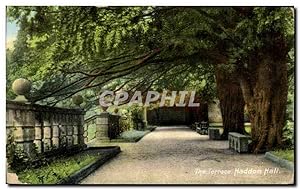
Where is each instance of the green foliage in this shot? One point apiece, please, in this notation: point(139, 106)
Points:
point(256, 31)
point(133, 135)
point(125, 123)
point(285, 154)
point(57, 170)
point(290, 105)
point(53, 41)
point(18, 159)
point(288, 134)
point(248, 129)
point(137, 118)
point(132, 118)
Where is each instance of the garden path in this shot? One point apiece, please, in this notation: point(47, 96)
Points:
point(178, 155)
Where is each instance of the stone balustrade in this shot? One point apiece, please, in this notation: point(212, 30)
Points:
point(44, 128)
point(105, 126)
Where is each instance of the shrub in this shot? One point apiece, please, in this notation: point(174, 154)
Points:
point(288, 134)
point(132, 118)
point(138, 118)
point(125, 121)
point(125, 124)
point(18, 160)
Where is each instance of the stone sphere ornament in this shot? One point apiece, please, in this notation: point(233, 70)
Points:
point(21, 87)
point(77, 100)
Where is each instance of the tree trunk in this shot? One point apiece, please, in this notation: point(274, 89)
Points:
point(231, 102)
point(265, 87)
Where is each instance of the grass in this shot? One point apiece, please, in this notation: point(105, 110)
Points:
point(151, 127)
point(220, 125)
point(284, 154)
point(133, 135)
point(56, 170)
point(248, 129)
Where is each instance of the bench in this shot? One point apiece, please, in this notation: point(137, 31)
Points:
point(214, 133)
point(194, 126)
point(238, 142)
point(202, 128)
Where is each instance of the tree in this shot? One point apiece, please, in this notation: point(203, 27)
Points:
point(262, 65)
point(232, 103)
point(92, 47)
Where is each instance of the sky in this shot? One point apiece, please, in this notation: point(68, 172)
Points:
point(11, 33)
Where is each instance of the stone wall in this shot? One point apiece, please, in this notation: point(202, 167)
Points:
point(177, 115)
point(44, 128)
point(105, 126)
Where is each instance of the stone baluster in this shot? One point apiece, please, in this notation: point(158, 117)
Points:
point(9, 124)
point(63, 130)
point(24, 133)
point(75, 135)
point(43, 128)
point(69, 131)
point(74, 121)
point(55, 131)
point(38, 141)
point(47, 125)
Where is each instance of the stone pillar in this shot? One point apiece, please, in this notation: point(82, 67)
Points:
point(102, 125)
point(24, 133)
point(145, 116)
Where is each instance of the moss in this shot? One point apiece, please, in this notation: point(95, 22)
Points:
point(56, 170)
point(284, 154)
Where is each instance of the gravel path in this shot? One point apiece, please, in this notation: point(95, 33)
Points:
point(178, 155)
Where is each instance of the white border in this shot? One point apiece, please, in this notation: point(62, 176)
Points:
point(157, 2)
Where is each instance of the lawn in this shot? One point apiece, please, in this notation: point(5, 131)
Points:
point(248, 129)
point(58, 169)
point(284, 154)
point(220, 125)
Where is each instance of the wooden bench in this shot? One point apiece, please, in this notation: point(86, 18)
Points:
point(238, 142)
